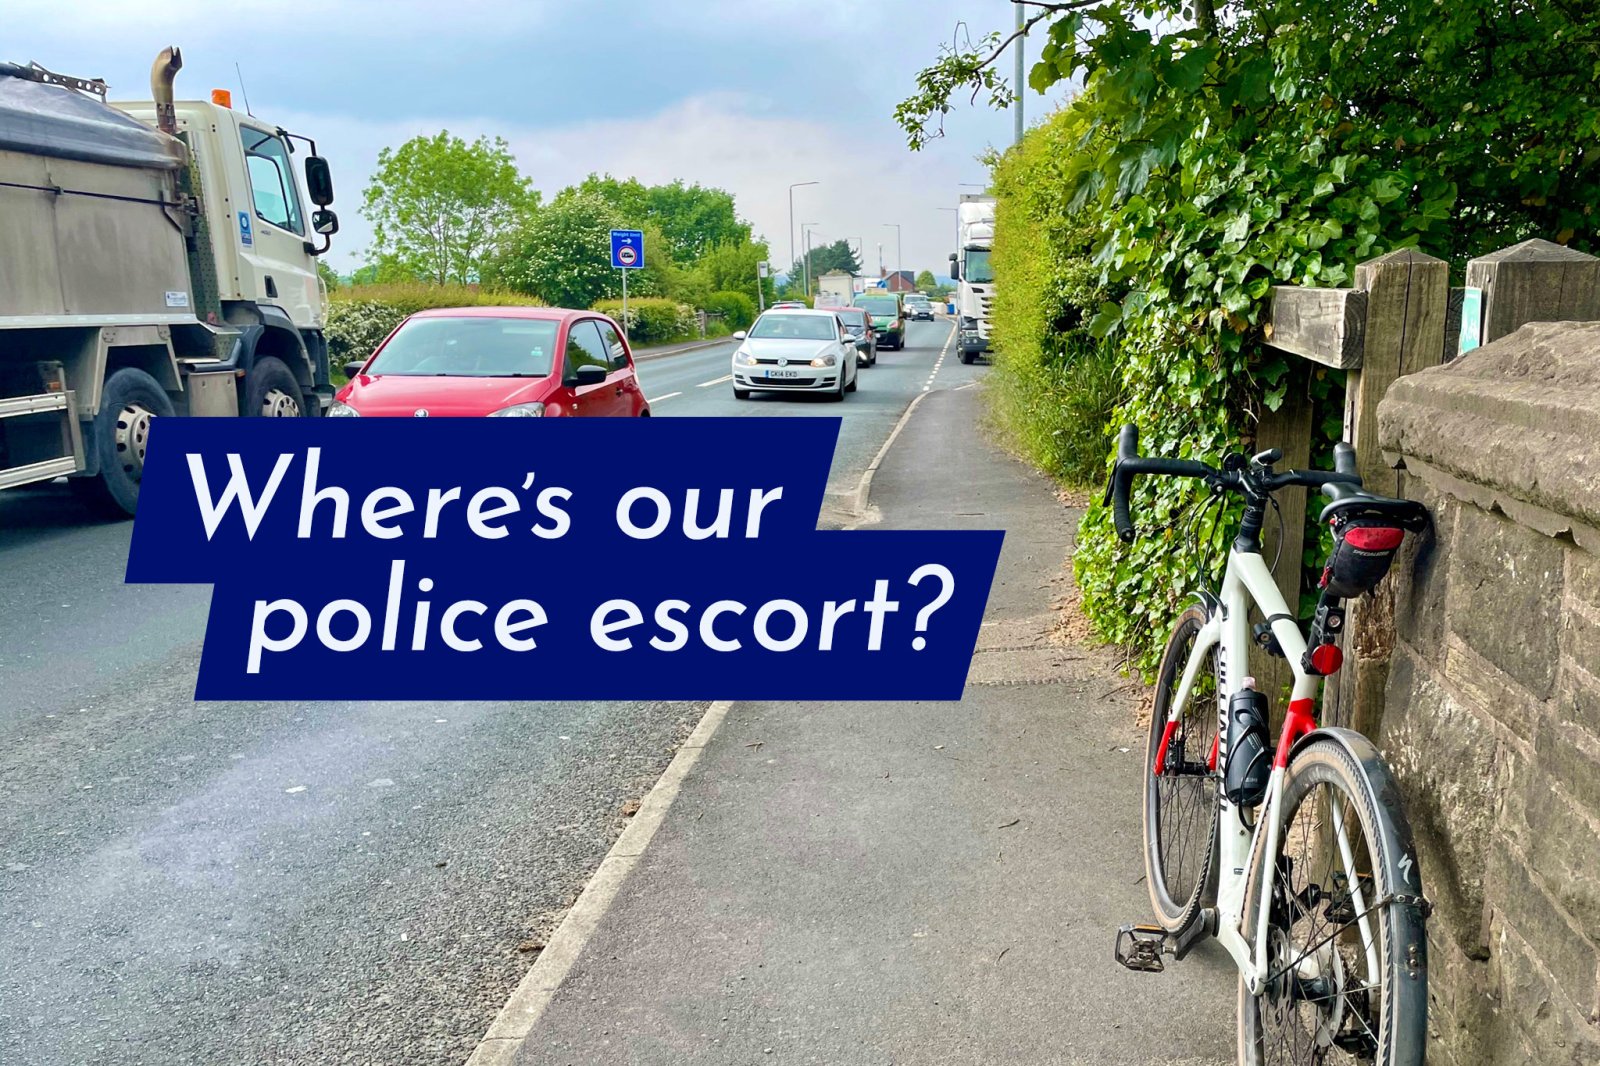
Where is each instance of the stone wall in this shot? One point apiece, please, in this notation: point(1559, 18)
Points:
point(1492, 710)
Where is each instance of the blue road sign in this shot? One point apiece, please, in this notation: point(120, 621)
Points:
point(627, 249)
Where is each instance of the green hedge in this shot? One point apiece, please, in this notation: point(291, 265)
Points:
point(653, 319)
point(359, 317)
point(737, 309)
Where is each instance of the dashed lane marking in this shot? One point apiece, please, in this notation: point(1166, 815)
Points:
point(718, 381)
point(668, 396)
point(939, 362)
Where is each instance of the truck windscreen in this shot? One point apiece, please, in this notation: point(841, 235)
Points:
point(978, 271)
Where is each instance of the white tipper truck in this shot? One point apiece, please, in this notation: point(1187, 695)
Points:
point(970, 267)
point(156, 258)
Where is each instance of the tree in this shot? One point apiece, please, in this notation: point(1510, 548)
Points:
point(563, 255)
point(693, 219)
point(330, 277)
point(733, 267)
point(836, 256)
point(439, 206)
point(926, 282)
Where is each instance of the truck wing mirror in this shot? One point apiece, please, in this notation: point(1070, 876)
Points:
point(319, 181)
point(325, 222)
point(955, 267)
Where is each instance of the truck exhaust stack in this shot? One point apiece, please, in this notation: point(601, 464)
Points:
point(162, 73)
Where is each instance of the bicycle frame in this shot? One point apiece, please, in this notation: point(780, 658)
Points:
point(1227, 630)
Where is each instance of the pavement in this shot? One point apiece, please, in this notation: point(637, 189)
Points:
point(904, 883)
point(208, 883)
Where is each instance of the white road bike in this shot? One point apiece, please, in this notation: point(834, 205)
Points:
point(1296, 857)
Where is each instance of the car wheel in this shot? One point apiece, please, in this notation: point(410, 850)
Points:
point(853, 383)
point(741, 394)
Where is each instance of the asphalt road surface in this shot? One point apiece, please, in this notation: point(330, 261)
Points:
point(188, 882)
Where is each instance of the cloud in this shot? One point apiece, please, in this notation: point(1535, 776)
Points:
point(730, 141)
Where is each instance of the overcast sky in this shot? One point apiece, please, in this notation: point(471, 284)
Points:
point(749, 96)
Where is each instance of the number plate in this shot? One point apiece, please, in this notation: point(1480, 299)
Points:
point(783, 374)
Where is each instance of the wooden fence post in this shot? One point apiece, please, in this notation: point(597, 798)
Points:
point(1407, 296)
point(1320, 326)
point(1535, 281)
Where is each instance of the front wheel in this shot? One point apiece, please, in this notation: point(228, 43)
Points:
point(1347, 954)
point(1180, 802)
point(741, 394)
point(271, 391)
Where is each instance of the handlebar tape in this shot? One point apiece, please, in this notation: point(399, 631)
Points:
point(1122, 481)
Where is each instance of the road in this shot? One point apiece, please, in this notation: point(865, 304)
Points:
point(188, 882)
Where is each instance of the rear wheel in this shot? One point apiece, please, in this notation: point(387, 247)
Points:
point(1180, 803)
point(129, 402)
point(1347, 982)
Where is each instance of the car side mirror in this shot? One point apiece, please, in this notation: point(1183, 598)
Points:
point(353, 369)
point(319, 181)
point(739, 334)
point(590, 374)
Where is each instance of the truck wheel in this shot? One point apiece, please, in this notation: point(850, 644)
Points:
point(118, 436)
point(272, 392)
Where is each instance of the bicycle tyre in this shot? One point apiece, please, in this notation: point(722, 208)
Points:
point(1276, 1029)
point(1180, 863)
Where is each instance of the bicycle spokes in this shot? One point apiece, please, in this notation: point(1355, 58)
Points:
point(1318, 1004)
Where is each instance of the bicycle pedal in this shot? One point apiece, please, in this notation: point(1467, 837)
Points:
point(1139, 947)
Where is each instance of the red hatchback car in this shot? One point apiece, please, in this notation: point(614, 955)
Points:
point(526, 362)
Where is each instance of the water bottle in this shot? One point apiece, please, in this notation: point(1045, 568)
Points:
point(1249, 754)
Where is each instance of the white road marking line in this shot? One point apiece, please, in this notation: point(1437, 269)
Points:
point(528, 1001)
point(718, 381)
point(668, 396)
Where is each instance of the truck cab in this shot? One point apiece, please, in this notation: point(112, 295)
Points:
point(262, 246)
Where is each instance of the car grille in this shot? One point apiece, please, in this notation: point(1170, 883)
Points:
point(783, 383)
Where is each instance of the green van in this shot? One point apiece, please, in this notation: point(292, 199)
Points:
point(888, 315)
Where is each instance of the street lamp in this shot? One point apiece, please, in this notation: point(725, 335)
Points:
point(792, 188)
point(899, 260)
point(805, 233)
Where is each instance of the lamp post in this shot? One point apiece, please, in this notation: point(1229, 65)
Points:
point(792, 188)
point(899, 260)
point(1016, 135)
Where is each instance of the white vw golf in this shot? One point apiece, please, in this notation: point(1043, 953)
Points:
point(795, 350)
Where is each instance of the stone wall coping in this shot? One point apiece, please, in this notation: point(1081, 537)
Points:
point(1514, 425)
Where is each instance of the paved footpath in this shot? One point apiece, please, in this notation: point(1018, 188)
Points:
point(905, 883)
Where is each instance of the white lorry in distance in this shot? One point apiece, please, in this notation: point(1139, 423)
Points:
point(973, 274)
point(836, 288)
point(156, 258)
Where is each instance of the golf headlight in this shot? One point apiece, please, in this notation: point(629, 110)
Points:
point(744, 358)
point(341, 410)
point(520, 410)
point(823, 360)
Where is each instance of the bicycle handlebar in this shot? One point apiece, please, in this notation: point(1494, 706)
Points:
point(1340, 482)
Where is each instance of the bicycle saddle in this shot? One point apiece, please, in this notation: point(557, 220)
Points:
point(1351, 502)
